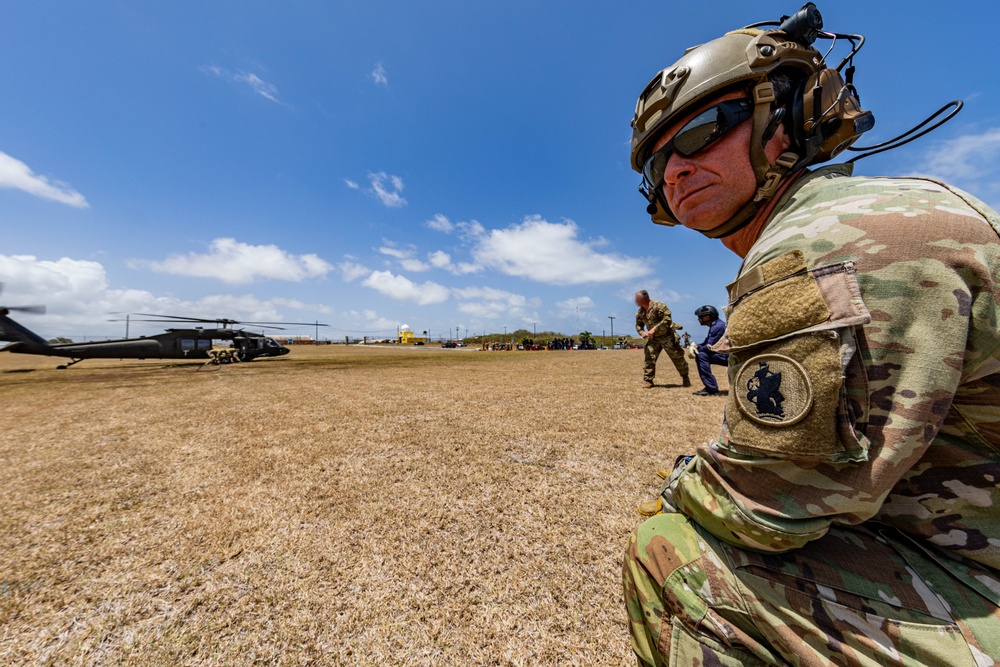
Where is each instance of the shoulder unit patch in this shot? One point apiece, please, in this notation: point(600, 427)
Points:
point(773, 390)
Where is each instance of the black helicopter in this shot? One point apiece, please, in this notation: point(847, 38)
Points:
point(193, 343)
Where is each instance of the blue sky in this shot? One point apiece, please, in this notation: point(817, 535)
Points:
point(437, 164)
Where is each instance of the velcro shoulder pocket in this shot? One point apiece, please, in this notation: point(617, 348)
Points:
point(792, 345)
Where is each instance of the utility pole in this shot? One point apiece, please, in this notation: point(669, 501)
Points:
point(505, 331)
point(316, 339)
point(126, 324)
point(612, 318)
point(534, 328)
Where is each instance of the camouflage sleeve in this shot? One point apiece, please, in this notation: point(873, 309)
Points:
point(640, 324)
point(845, 358)
point(660, 315)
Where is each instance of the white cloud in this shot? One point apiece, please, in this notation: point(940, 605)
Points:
point(666, 295)
point(236, 263)
point(351, 184)
point(670, 296)
point(552, 253)
point(263, 88)
point(471, 230)
point(393, 251)
point(969, 161)
point(402, 288)
point(78, 298)
point(258, 85)
point(440, 223)
point(490, 304)
point(379, 76)
point(369, 321)
point(351, 271)
point(439, 259)
point(387, 189)
point(414, 265)
point(572, 305)
point(19, 176)
point(296, 304)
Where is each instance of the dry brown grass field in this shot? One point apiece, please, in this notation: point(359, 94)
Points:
point(335, 506)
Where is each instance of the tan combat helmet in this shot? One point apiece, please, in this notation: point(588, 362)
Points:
point(824, 115)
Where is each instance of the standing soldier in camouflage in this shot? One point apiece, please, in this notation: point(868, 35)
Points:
point(849, 511)
point(657, 328)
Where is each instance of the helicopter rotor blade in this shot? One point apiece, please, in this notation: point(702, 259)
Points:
point(223, 321)
point(181, 318)
point(304, 324)
point(38, 310)
point(134, 320)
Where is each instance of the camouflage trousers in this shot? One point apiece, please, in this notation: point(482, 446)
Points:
point(858, 596)
point(651, 352)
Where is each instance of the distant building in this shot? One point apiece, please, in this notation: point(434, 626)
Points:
point(408, 337)
point(296, 340)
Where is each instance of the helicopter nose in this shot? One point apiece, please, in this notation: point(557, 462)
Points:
point(284, 351)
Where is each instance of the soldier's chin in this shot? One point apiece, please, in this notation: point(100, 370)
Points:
point(704, 214)
point(701, 218)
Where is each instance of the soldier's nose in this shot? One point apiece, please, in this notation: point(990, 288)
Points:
point(678, 167)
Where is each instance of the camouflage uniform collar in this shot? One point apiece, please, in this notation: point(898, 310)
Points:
point(830, 171)
point(781, 204)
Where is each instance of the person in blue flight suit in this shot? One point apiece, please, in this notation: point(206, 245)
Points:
point(708, 316)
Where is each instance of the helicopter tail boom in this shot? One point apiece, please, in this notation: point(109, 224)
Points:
point(23, 339)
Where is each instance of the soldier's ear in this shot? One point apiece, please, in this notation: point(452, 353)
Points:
point(779, 142)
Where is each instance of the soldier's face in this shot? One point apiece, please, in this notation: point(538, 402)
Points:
point(708, 188)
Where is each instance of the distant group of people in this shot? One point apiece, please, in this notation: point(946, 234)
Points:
point(560, 344)
point(554, 344)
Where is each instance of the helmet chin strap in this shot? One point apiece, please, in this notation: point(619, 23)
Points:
point(769, 176)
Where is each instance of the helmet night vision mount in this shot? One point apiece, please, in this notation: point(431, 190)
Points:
point(822, 113)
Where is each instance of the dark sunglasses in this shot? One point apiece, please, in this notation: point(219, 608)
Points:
point(696, 135)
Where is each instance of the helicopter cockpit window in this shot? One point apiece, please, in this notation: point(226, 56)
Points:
point(270, 343)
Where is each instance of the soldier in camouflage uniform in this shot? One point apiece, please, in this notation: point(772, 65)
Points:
point(654, 323)
point(849, 511)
